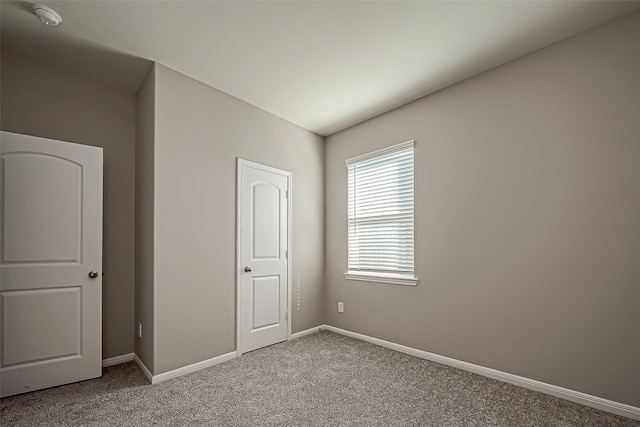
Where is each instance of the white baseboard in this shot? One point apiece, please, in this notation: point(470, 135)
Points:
point(143, 368)
point(155, 379)
point(561, 392)
point(123, 358)
point(305, 332)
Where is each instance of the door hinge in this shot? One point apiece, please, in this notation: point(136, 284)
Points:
point(286, 254)
point(286, 315)
point(286, 194)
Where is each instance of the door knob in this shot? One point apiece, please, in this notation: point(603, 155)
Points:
point(247, 269)
point(93, 274)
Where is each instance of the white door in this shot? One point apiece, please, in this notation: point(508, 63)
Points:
point(50, 263)
point(263, 265)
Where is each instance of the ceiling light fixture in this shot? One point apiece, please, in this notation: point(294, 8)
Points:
point(47, 15)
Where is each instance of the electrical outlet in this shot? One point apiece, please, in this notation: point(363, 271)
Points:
point(340, 307)
point(139, 330)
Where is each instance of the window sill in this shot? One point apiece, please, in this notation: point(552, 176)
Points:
point(381, 278)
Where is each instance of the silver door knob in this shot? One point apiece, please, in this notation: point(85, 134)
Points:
point(93, 274)
point(247, 269)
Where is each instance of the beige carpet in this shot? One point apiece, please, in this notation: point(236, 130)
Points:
point(321, 380)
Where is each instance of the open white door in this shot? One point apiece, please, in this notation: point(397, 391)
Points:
point(50, 263)
point(263, 261)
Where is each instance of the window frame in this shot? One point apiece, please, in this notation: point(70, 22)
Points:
point(409, 278)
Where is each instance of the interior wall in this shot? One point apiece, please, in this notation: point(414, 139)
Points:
point(145, 219)
point(43, 101)
point(527, 218)
point(200, 132)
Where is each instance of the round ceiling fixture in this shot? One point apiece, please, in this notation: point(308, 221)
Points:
point(47, 15)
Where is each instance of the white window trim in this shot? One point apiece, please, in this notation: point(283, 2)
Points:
point(394, 279)
point(381, 278)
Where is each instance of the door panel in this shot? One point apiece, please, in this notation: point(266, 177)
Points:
point(53, 231)
point(51, 238)
point(45, 340)
point(266, 302)
point(263, 220)
point(265, 213)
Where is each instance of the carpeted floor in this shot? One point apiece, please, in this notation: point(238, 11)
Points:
point(323, 379)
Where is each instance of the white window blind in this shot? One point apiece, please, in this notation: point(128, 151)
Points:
point(380, 211)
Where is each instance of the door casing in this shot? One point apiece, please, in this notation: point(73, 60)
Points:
point(239, 264)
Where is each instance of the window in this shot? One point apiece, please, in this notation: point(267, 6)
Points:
point(380, 216)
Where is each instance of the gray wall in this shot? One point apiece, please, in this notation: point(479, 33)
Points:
point(199, 133)
point(43, 101)
point(145, 218)
point(527, 218)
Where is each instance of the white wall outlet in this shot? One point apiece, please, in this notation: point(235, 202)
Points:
point(340, 307)
point(139, 330)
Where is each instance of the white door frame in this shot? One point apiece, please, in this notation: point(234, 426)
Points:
point(239, 265)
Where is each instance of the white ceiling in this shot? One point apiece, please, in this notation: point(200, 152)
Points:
point(323, 65)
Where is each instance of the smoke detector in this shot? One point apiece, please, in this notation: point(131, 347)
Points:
point(47, 16)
